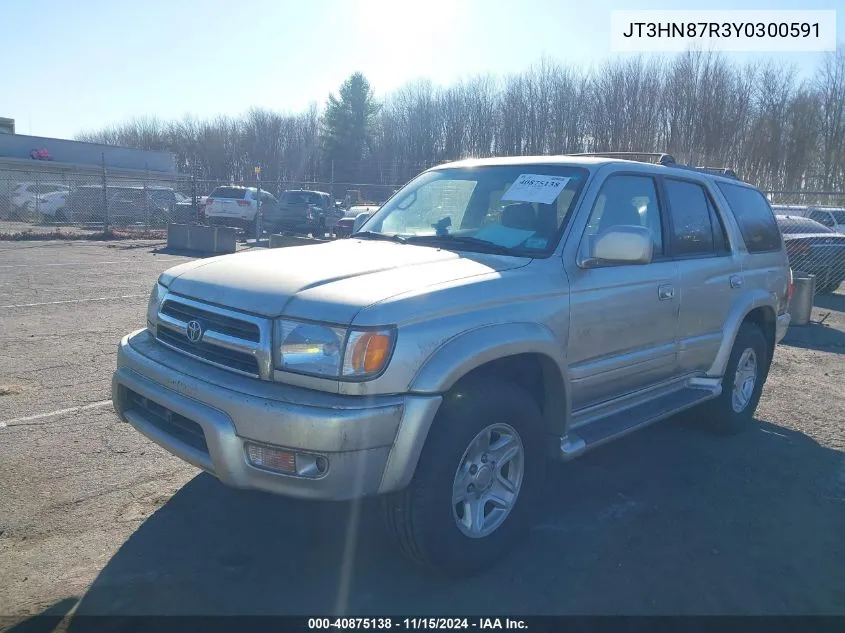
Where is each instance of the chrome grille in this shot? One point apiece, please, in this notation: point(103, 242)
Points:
point(212, 353)
point(231, 340)
point(212, 320)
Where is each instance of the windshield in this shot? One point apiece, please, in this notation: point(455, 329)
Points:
point(520, 208)
point(801, 225)
point(838, 216)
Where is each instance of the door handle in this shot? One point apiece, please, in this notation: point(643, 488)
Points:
point(665, 292)
point(736, 281)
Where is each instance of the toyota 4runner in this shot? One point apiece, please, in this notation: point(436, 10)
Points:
point(492, 314)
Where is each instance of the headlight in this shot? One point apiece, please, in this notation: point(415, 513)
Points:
point(330, 351)
point(154, 304)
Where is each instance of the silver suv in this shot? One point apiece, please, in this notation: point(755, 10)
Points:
point(492, 314)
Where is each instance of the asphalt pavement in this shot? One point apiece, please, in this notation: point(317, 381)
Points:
point(94, 518)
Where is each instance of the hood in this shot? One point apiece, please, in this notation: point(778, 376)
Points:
point(328, 282)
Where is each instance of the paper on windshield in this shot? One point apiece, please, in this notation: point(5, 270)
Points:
point(535, 188)
point(503, 235)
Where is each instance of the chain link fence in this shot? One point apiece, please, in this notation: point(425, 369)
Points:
point(49, 200)
point(813, 227)
point(46, 199)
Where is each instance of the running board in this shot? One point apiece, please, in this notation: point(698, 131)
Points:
point(619, 424)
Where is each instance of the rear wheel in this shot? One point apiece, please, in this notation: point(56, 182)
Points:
point(742, 383)
point(476, 484)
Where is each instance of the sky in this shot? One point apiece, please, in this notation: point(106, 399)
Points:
point(69, 67)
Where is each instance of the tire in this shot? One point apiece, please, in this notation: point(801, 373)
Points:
point(421, 517)
point(725, 415)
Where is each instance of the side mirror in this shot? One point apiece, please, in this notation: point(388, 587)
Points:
point(619, 245)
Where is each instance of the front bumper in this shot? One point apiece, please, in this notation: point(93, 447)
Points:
point(371, 444)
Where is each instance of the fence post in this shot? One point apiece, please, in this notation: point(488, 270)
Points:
point(194, 196)
point(258, 206)
point(37, 196)
point(146, 201)
point(105, 198)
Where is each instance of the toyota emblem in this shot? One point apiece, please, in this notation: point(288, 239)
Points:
point(194, 331)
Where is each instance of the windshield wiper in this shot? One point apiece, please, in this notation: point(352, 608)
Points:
point(373, 235)
point(461, 240)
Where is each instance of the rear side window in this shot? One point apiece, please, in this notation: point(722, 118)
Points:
point(233, 193)
point(694, 225)
point(754, 216)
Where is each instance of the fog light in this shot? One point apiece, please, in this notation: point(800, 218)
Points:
point(271, 458)
point(286, 461)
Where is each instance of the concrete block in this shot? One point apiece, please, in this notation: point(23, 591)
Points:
point(177, 236)
point(226, 241)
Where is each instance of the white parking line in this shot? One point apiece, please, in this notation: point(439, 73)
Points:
point(59, 264)
point(40, 416)
point(53, 303)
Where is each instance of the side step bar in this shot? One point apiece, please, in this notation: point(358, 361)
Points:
point(618, 424)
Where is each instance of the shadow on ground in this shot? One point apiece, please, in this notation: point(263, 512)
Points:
point(817, 335)
point(44, 622)
point(832, 301)
point(670, 520)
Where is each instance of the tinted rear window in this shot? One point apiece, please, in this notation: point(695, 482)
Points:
point(234, 193)
point(301, 197)
point(754, 216)
point(801, 225)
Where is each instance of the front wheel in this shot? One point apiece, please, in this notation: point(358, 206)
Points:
point(476, 484)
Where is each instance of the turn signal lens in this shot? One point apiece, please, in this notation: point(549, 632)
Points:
point(367, 352)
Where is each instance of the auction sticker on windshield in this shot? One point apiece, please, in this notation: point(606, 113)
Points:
point(535, 188)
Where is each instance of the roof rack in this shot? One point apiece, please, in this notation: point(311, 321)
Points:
point(657, 157)
point(719, 171)
point(660, 158)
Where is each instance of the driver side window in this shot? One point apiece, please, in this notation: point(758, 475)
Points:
point(626, 200)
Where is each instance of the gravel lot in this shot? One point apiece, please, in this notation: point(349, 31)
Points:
point(672, 520)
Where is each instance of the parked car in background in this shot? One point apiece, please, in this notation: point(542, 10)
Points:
point(345, 226)
point(126, 204)
point(52, 206)
point(303, 211)
point(492, 314)
point(184, 212)
point(831, 217)
point(814, 249)
point(231, 205)
point(150, 205)
point(24, 197)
